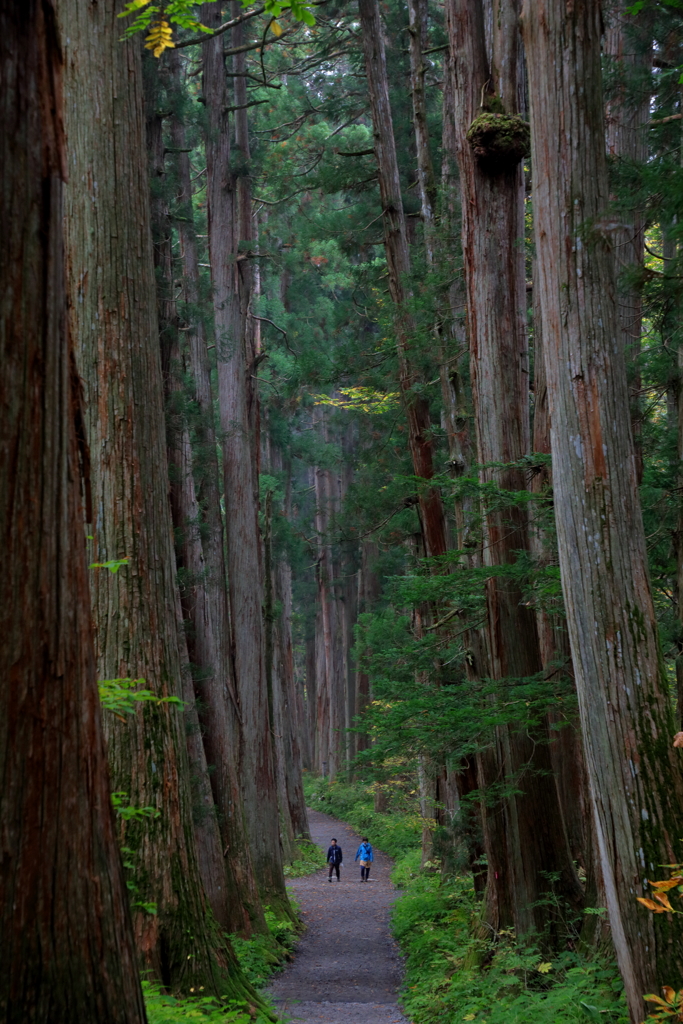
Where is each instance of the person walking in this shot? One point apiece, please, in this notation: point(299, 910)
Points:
point(366, 857)
point(334, 859)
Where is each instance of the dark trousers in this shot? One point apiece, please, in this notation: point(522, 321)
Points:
point(365, 873)
point(333, 867)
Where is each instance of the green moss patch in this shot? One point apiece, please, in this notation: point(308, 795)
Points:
point(499, 141)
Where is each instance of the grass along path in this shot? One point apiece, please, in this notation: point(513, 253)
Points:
point(346, 967)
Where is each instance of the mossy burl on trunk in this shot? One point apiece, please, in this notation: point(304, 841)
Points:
point(499, 141)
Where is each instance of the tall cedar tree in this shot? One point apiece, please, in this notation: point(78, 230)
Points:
point(224, 858)
point(66, 941)
point(524, 835)
point(113, 309)
point(626, 715)
point(231, 247)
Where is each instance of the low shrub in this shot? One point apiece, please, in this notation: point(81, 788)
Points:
point(261, 956)
point(309, 859)
point(432, 923)
point(165, 1009)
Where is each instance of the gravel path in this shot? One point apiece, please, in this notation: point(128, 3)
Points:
point(347, 968)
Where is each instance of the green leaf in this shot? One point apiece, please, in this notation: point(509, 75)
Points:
point(113, 564)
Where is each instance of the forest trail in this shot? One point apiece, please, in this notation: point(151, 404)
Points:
point(346, 968)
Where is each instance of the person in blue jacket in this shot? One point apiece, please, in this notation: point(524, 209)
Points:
point(366, 857)
point(334, 859)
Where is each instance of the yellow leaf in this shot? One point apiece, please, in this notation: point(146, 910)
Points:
point(276, 28)
point(649, 904)
point(664, 900)
point(160, 37)
point(469, 1016)
point(544, 968)
point(667, 884)
point(669, 994)
point(655, 999)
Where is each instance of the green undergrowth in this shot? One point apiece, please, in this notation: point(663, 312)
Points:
point(260, 957)
point(264, 955)
point(165, 1009)
point(309, 859)
point(433, 923)
point(519, 984)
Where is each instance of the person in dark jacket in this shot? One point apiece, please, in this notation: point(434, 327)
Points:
point(366, 857)
point(334, 859)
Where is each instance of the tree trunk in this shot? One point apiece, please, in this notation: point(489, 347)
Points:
point(113, 311)
point(311, 698)
point(184, 509)
point(230, 234)
point(66, 941)
point(325, 624)
point(524, 835)
point(626, 715)
point(199, 546)
point(398, 262)
point(417, 21)
point(566, 749)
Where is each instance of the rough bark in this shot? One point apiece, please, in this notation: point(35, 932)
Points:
point(184, 509)
point(113, 311)
point(398, 263)
point(66, 941)
point(626, 715)
point(231, 888)
point(231, 236)
point(524, 833)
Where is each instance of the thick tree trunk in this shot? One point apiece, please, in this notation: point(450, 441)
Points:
point(398, 261)
point(184, 513)
point(66, 941)
point(520, 853)
point(626, 715)
point(198, 529)
point(231, 232)
point(114, 316)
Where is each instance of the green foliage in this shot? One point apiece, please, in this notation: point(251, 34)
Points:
point(309, 858)
point(113, 565)
point(182, 13)
point(165, 1009)
point(119, 697)
point(129, 813)
point(261, 956)
point(433, 922)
